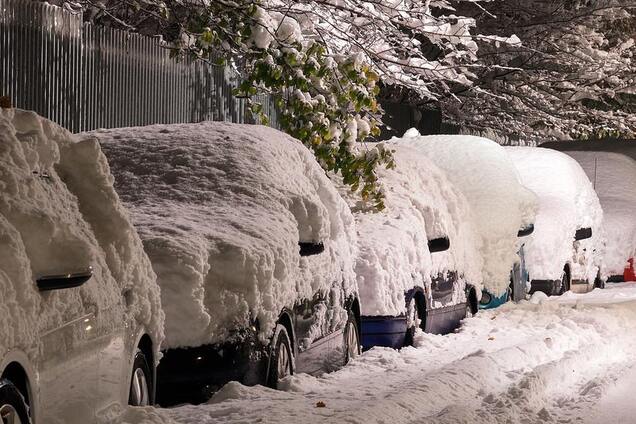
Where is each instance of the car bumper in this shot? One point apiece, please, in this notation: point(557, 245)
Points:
point(193, 374)
point(387, 331)
point(492, 301)
point(548, 287)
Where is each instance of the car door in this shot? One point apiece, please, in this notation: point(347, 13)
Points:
point(442, 288)
point(310, 325)
point(68, 359)
point(113, 371)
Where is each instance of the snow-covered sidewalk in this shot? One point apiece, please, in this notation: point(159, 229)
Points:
point(557, 360)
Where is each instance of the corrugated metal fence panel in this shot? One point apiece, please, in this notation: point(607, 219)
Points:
point(84, 76)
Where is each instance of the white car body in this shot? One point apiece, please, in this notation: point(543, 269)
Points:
point(567, 203)
point(69, 351)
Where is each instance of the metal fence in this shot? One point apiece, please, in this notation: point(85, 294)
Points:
point(85, 76)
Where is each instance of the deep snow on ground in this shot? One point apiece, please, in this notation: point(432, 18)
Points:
point(568, 359)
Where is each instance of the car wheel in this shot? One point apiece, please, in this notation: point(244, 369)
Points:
point(140, 382)
point(599, 282)
point(352, 339)
point(565, 283)
point(13, 408)
point(281, 362)
point(412, 321)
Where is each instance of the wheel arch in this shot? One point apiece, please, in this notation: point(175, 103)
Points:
point(285, 319)
point(472, 299)
point(420, 297)
point(16, 374)
point(354, 307)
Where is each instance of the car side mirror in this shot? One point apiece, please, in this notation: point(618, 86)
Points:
point(64, 281)
point(526, 231)
point(439, 244)
point(310, 248)
point(583, 233)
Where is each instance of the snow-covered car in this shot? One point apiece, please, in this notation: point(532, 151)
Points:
point(502, 209)
point(81, 313)
point(418, 263)
point(614, 178)
point(564, 252)
point(253, 248)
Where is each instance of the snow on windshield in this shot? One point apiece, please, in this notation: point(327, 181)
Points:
point(221, 209)
point(567, 202)
point(500, 205)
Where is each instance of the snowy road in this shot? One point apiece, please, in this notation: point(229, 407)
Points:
point(564, 360)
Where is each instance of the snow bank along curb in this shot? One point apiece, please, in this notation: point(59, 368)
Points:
point(567, 202)
point(421, 204)
point(500, 205)
point(59, 213)
point(544, 362)
point(221, 209)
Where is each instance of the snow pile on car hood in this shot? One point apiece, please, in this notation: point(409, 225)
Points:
point(421, 204)
point(221, 209)
point(500, 205)
point(567, 202)
point(59, 214)
point(614, 178)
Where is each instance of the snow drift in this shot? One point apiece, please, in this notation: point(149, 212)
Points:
point(614, 178)
point(59, 214)
point(221, 209)
point(421, 204)
point(567, 202)
point(500, 205)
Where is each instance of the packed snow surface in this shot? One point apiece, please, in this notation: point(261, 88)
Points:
point(500, 204)
point(221, 209)
point(568, 359)
point(614, 179)
point(421, 204)
point(567, 202)
point(59, 214)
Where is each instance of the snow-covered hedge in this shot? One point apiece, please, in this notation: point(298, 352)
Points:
point(59, 213)
point(421, 204)
point(567, 202)
point(500, 205)
point(614, 178)
point(221, 209)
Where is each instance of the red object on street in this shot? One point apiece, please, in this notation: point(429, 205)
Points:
point(630, 273)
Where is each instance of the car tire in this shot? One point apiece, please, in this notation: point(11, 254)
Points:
point(140, 393)
point(414, 317)
point(281, 363)
point(599, 282)
point(351, 339)
point(565, 283)
point(13, 408)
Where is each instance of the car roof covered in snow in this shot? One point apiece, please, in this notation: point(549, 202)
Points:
point(567, 202)
point(500, 204)
point(421, 204)
point(613, 145)
point(222, 208)
point(59, 214)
